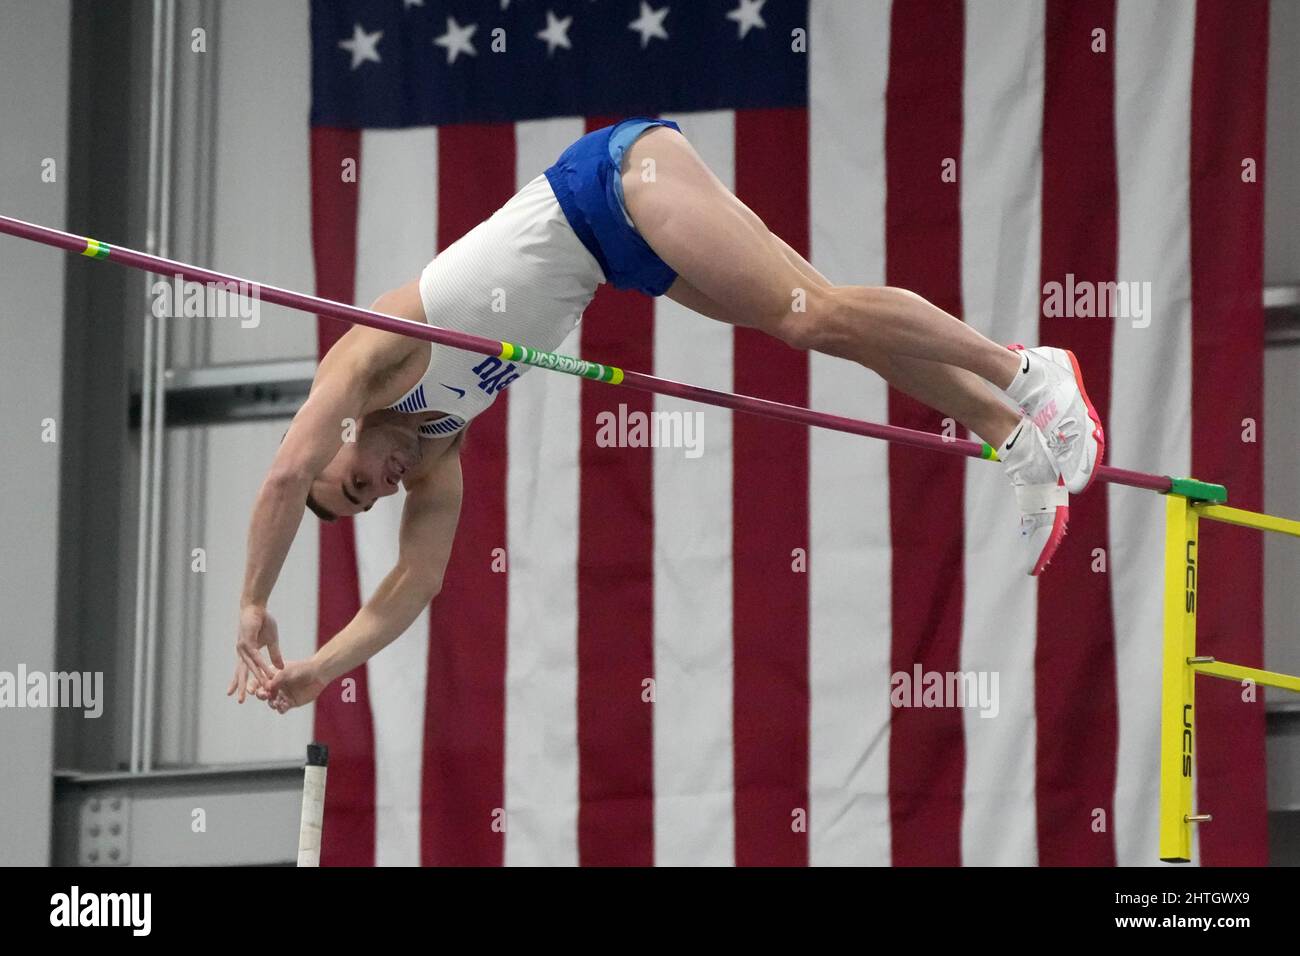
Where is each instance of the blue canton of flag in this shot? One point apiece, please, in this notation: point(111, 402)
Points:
point(400, 63)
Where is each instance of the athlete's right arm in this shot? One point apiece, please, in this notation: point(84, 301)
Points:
point(313, 439)
point(343, 390)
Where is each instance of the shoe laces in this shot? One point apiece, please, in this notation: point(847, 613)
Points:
point(1062, 439)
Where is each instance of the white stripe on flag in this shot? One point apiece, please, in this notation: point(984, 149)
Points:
point(1152, 370)
point(1001, 188)
point(397, 210)
point(396, 230)
point(541, 772)
point(849, 552)
point(693, 767)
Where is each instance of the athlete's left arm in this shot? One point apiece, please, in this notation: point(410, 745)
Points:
point(428, 527)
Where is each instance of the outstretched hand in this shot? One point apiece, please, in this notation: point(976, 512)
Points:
point(257, 629)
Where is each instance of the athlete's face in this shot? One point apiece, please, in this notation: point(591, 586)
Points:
point(365, 470)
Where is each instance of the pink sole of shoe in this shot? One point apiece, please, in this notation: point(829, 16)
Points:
point(1053, 541)
point(1097, 432)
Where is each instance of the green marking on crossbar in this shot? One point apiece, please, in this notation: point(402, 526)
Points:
point(562, 363)
point(96, 249)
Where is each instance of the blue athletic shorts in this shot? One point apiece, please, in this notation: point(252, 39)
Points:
point(588, 185)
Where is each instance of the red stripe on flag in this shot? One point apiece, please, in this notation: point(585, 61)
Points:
point(334, 222)
point(615, 598)
point(344, 725)
point(770, 520)
point(463, 776)
point(1229, 88)
point(923, 128)
point(1075, 682)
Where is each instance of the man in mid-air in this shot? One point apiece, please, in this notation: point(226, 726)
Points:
point(597, 216)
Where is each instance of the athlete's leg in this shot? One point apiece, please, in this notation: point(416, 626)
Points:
point(949, 389)
point(946, 388)
point(723, 253)
point(721, 248)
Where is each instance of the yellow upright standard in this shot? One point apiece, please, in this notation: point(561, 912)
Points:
point(1183, 512)
point(1177, 708)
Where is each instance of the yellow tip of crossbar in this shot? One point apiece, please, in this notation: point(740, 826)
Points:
point(1249, 519)
point(1254, 675)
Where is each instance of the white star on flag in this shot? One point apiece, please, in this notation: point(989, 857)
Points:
point(362, 45)
point(556, 33)
point(457, 39)
point(407, 4)
point(748, 16)
point(650, 24)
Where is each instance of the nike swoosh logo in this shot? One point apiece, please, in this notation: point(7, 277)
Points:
point(460, 392)
point(1012, 441)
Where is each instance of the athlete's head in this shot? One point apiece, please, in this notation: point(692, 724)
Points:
point(366, 469)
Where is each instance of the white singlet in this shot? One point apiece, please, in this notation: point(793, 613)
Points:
point(521, 276)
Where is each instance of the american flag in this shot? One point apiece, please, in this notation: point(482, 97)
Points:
point(641, 657)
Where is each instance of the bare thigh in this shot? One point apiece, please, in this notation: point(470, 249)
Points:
point(722, 252)
point(683, 293)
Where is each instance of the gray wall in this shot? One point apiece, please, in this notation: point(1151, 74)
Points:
point(33, 118)
point(1282, 364)
point(1282, 162)
point(258, 174)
